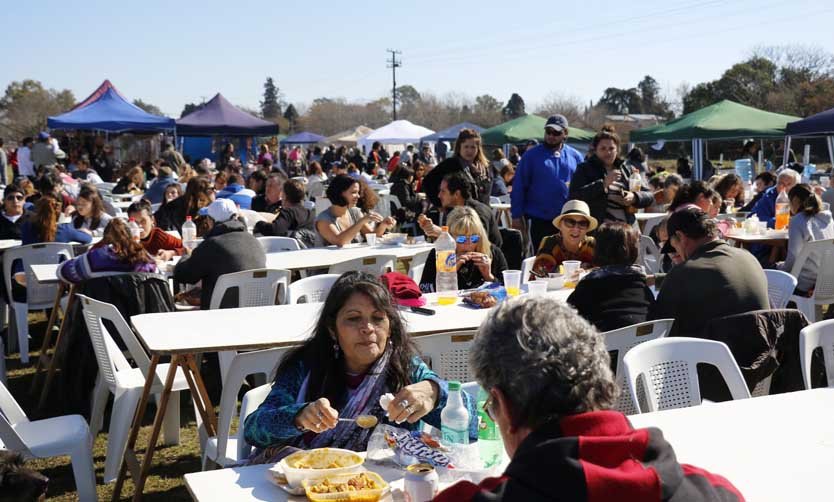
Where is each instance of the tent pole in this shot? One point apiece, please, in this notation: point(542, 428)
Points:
point(787, 150)
point(829, 140)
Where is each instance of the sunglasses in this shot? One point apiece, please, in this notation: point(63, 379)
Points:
point(14, 197)
point(474, 239)
point(551, 132)
point(571, 223)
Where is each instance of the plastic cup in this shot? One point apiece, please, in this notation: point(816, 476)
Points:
point(512, 281)
point(571, 272)
point(371, 238)
point(537, 287)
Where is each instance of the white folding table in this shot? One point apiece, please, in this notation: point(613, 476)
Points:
point(314, 258)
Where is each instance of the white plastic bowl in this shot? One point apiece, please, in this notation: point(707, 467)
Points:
point(555, 281)
point(295, 476)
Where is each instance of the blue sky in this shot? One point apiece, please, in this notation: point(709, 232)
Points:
point(174, 52)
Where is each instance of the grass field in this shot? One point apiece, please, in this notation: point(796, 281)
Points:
point(170, 462)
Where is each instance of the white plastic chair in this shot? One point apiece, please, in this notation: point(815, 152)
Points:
point(322, 203)
point(218, 448)
point(623, 340)
point(822, 251)
point(278, 244)
point(417, 265)
point(38, 296)
point(820, 334)
point(649, 255)
point(372, 264)
point(780, 287)
point(2, 362)
point(255, 288)
point(51, 437)
point(314, 190)
point(651, 223)
point(448, 354)
point(668, 370)
point(526, 269)
point(125, 382)
point(308, 204)
point(311, 289)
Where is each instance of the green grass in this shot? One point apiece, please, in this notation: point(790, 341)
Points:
point(170, 463)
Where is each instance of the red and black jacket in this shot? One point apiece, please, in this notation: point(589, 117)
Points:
point(594, 457)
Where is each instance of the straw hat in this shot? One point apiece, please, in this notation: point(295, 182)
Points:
point(576, 207)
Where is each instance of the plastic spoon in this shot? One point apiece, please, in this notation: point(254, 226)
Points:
point(362, 421)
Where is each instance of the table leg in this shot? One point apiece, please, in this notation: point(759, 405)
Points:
point(200, 395)
point(44, 359)
point(50, 373)
point(130, 452)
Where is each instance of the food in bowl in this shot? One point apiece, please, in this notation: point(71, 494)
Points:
point(318, 463)
point(356, 487)
point(555, 281)
point(394, 238)
point(353, 483)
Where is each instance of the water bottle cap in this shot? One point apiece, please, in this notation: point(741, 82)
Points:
point(454, 385)
point(188, 218)
point(444, 228)
point(131, 219)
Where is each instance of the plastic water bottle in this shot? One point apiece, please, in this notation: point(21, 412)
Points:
point(744, 169)
point(189, 233)
point(135, 231)
point(454, 419)
point(489, 440)
point(446, 281)
point(783, 210)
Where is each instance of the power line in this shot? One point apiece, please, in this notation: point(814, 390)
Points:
point(393, 63)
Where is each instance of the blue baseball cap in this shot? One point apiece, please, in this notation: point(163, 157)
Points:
point(43, 135)
point(558, 122)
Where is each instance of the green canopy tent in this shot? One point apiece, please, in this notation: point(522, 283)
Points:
point(526, 128)
point(723, 120)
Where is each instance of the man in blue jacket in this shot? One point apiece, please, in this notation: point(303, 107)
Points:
point(540, 185)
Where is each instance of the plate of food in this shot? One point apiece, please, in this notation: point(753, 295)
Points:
point(317, 463)
point(364, 486)
point(393, 239)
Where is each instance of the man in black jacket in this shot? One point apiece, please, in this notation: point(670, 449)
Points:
point(270, 200)
point(456, 190)
point(13, 212)
point(292, 216)
point(227, 248)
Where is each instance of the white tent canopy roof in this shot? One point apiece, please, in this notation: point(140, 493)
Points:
point(398, 132)
point(349, 136)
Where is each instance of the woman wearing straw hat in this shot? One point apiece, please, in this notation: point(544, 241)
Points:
point(571, 243)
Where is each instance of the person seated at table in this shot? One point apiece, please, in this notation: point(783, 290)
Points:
point(49, 182)
point(228, 247)
point(44, 225)
point(696, 193)
point(133, 182)
point(257, 182)
point(571, 243)
point(551, 392)
point(14, 213)
point(368, 198)
point(615, 294)
point(292, 216)
point(456, 190)
point(220, 181)
point(172, 191)
point(343, 222)
point(85, 173)
point(199, 193)
point(730, 186)
point(157, 242)
point(478, 260)
point(270, 201)
point(156, 192)
point(117, 252)
point(315, 174)
point(761, 183)
point(236, 192)
point(765, 208)
point(808, 223)
point(89, 210)
point(714, 279)
point(360, 350)
point(403, 189)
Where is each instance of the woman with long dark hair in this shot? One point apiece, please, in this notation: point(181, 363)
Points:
point(89, 210)
point(44, 225)
point(468, 157)
point(809, 222)
point(133, 182)
point(360, 350)
point(199, 193)
point(343, 222)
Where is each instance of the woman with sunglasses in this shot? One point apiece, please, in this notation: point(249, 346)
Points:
point(571, 243)
point(478, 260)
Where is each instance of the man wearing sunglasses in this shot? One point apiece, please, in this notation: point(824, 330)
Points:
point(13, 212)
point(540, 185)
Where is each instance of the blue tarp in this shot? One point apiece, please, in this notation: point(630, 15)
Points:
point(109, 111)
point(820, 124)
point(451, 133)
point(218, 117)
point(303, 138)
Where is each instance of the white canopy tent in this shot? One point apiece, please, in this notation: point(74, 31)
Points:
point(398, 132)
point(349, 136)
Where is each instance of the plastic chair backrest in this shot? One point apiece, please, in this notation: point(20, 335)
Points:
point(35, 254)
point(96, 311)
point(651, 223)
point(308, 204)
point(471, 388)
point(255, 288)
point(311, 289)
point(820, 334)
point(372, 264)
point(780, 287)
point(243, 364)
point(494, 200)
point(623, 340)
point(314, 190)
point(395, 201)
point(448, 354)
point(417, 265)
point(278, 244)
point(526, 269)
point(250, 402)
point(11, 414)
point(649, 255)
point(322, 203)
point(668, 367)
point(823, 251)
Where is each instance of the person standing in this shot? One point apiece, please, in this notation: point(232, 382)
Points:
point(540, 185)
point(4, 164)
point(172, 157)
point(42, 152)
point(25, 166)
point(468, 159)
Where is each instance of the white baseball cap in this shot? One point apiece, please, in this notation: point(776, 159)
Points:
point(220, 210)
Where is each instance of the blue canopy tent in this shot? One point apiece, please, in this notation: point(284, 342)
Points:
point(451, 133)
point(107, 110)
point(303, 138)
point(818, 125)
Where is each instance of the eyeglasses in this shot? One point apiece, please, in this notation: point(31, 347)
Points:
point(487, 406)
point(552, 132)
point(571, 223)
point(14, 197)
point(474, 239)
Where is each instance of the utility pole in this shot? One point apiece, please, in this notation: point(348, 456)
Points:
point(393, 63)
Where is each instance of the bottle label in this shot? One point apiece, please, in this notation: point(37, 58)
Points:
point(446, 261)
point(454, 436)
point(486, 427)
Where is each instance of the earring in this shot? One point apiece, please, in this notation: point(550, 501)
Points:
point(336, 349)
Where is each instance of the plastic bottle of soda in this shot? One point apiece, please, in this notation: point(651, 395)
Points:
point(454, 419)
point(446, 280)
point(189, 233)
point(489, 440)
point(135, 231)
point(783, 210)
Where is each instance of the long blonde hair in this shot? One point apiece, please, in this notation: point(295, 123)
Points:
point(463, 220)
